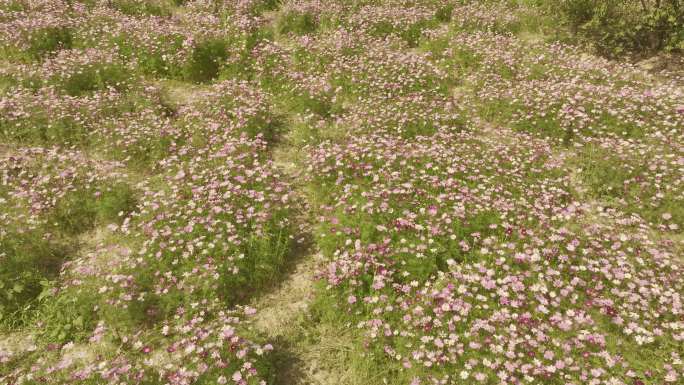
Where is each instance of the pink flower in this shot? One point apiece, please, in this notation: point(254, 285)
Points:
point(237, 376)
point(250, 310)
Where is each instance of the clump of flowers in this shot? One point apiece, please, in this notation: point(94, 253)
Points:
point(466, 258)
point(47, 196)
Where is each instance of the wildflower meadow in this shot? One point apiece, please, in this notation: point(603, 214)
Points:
point(356, 192)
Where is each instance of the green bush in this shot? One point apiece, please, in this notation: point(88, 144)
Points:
point(411, 34)
point(14, 6)
point(7, 82)
point(617, 27)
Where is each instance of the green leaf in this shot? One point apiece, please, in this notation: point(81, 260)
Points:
point(46, 292)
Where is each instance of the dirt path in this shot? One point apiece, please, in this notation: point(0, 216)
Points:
point(284, 313)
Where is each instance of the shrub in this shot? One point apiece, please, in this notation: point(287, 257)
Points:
point(411, 33)
point(39, 128)
point(627, 26)
point(242, 65)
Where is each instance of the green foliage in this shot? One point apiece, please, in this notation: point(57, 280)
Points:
point(40, 127)
point(206, 60)
point(413, 33)
point(6, 82)
point(427, 128)
point(443, 14)
point(268, 126)
point(259, 263)
point(48, 40)
point(79, 211)
point(67, 314)
point(604, 174)
point(297, 23)
point(243, 67)
point(261, 6)
point(143, 7)
point(95, 77)
point(612, 179)
point(264, 258)
point(28, 259)
point(14, 6)
point(381, 29)
point(306, 104)
point(142, 157)
point(151, 62)
point(618, 27)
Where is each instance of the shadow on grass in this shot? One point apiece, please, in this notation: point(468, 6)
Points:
point(286, 363)
point(297, 253)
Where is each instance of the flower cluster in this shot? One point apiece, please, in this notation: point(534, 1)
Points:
point(461, 252)
point(134, 234)
point(467, 252)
